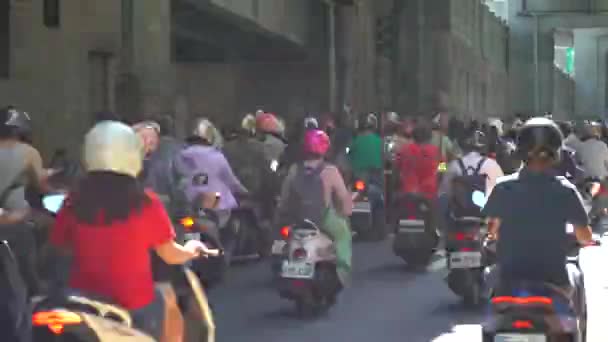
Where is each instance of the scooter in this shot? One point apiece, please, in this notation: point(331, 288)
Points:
point(308, 269)
point(465, 259)
point(367, 221)
point(415, 236)
point(200, 223)
point(83, 317)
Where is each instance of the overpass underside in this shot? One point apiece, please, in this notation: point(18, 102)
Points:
point(228, 64)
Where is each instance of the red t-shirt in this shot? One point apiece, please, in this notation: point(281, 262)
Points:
point(418, 169)
point(114, 261)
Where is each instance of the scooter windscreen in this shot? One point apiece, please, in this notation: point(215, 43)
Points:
point(53, 203)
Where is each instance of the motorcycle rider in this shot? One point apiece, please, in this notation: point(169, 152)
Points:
point(337, 203)
point(201, 167)
point(365, 156)
point(593, 152)
point(472, 144)
point(20, 168)
point(111, 215)
point(521, 218)
point(245, 154)
point(271, 132)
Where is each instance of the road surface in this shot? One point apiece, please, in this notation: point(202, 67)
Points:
point(386, 303)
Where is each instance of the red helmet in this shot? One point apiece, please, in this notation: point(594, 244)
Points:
point(316, 142)
point(268, 123)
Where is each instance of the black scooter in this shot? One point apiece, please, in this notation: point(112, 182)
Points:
point(416, 237)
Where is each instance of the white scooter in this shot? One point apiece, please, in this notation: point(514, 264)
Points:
point(308, 268)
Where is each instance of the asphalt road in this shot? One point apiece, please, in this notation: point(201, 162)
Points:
point(385, 303)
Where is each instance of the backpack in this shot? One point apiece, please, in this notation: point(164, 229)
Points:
point(463, 187)
point(307, 195)
point(15, 315)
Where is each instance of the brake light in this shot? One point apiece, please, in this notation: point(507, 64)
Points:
point(299, 254)
point(285, 232)
point(466, 249)
point(55, 320)
point(522, 300)
point(460, 236)
point(522, 325)
point(602, 190)
point(187, 222)
point(359, 185)
point(411, 217)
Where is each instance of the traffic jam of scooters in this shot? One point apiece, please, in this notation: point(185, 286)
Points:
point(390, 227)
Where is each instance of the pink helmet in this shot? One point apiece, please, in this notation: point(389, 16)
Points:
point(316, 142)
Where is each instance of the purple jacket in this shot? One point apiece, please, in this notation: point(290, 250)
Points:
point(205, 169)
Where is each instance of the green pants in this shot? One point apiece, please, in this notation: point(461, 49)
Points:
point(337, 227)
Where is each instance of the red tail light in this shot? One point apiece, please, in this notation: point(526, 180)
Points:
point(522, 300)
point(299, 254)
point(466, 249)
point(602, 190)
point(285, 232)
point(359, 185)
point(55, 320)
point(411, 217)
point(460, 236)
point(522, 325)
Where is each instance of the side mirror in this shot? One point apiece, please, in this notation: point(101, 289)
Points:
point(53, 203)
point(479, 199)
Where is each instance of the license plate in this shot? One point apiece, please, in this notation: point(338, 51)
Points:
point(362, 207)
point(465, 260)
point(520, 338)
point(297, 270)
point(193, 236)
point(278, 246)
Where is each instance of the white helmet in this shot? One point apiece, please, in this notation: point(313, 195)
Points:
point(206, 130)
point(496, 123)
point(113, 146)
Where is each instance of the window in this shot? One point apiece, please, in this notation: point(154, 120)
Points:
point(5, 41)
point(51, 13)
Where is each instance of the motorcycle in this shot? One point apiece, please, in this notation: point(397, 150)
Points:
point(308, 269)
point(74, 316)
point(416, 238)
point(200, 223)
point(533, 311)
point(466, 258)
point(367, 221)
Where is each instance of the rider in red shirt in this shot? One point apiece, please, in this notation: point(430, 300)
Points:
point(109, 224)
point(417, 163)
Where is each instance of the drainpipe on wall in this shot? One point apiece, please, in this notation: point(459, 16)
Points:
point(331, 6)
point(536, 65)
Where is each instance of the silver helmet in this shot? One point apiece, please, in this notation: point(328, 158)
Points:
point(113, 146)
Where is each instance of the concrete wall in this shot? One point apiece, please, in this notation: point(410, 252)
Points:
point(563, 102)
point(51, 69)
point(459, 63)
point(225, 92)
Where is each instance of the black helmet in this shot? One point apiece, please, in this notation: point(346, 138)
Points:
point(16, 121)
point(473, 141)
point(541, 138)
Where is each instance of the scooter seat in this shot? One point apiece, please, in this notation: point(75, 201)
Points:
point(469, 220)
point(306, 225)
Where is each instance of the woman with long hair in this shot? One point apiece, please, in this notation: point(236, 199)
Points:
point(109, 223)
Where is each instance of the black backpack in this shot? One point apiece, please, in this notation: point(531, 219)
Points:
point(307, 195)
point(463, 187)
point(16, 313)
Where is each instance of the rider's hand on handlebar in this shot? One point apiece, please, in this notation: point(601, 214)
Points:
point(199, 249)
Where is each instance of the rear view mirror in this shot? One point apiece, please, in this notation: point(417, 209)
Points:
point(479, 199)
point(53, 203)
